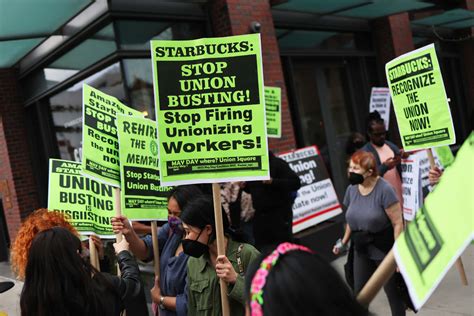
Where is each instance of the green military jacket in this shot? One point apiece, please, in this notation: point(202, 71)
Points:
point(203, 284)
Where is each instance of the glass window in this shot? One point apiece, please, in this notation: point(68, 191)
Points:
point(88, 52)
point(66, 109)
point(136, 35)
point(139, 84)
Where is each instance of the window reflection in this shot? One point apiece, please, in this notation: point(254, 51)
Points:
point(139, 78)
point(66, 109)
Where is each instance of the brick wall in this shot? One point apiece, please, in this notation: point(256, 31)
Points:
point(17, 184)
point(233, 17)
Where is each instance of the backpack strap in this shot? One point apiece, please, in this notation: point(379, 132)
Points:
point(239, 259)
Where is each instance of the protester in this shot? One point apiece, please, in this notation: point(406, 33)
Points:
point(293, 280)
point(239, 209)
point(58, 281)
point(41, 220)
point(36, 222)
point(387, 154)
point(374, 219)
point(169, 294)
point(206, 268)
point(273, 200)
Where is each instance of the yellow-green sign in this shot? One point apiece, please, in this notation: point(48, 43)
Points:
point(442, 228)
point(100, 156)
point(210, 111)
point(143, 198)
point(419, 100)
point(445, 155)
point(87, 204)
point(273, 111)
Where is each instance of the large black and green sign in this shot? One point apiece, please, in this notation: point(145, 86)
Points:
point(419, 100)
point(210, 112)
point(87, 203)
point(142, 195)
point(100, 148)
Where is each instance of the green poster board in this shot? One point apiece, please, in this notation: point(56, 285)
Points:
point(273, 111)
point(88, 204)
point(210, 111)
point(100, 156)
point(442, 228)
point(445, 155)
point(142, 196)
point(419, 100)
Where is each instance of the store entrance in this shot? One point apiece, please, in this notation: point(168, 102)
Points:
point(331, 103)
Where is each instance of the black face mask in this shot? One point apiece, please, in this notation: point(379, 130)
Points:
point(355, 178)
point(194, 248)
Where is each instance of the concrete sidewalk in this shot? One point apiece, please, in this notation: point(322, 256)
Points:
point(450, 298)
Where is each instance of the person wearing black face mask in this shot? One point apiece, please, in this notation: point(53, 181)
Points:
point(374, 221)
point(168, 293)
point(206, 268)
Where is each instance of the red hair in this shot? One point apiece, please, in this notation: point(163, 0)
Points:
point(36, 222)
point(366, 161)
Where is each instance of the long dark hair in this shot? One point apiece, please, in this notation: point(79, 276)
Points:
point(58, 281)
point(311, 287)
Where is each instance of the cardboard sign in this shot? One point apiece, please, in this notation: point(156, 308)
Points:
point(419, 100)
point(380, 102)
point(316, 200)
point(87, 203)
point(273, 111)
point(210, 110)
point(143, 198)
point(441, 230)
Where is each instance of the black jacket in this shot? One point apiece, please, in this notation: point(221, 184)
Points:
point(128, 291)
point(273, 203)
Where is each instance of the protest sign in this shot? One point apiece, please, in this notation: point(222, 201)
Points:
point(88, 204)
point(273, 111)
point(210, 110)
point(142, 196)
point(445, 155)
point(442, 229)
point(380, 102)
point(100, 156)
point(411, 187)
point(316, 200)
point(419, 100)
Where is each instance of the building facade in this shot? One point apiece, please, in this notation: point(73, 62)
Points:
point(325, 56)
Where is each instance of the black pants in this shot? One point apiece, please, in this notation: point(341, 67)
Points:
point(364, 267)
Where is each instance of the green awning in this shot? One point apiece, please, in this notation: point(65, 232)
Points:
point(366, 9)
point(455, 19)
point(26, 23)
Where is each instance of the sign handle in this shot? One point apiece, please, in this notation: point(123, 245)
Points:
point(93, 255)
point(378, 279)
point(156, 254)
point(459, 264)
point(216, 195)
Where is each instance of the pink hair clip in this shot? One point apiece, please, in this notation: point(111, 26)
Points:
point(260, 277)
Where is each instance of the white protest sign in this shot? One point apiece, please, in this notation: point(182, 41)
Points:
point(411, 187)
point(380, 101)
point(316, 200)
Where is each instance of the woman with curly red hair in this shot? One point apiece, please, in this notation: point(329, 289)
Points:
point(38, 221)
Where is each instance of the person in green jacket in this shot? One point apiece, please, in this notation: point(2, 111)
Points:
point(206, 268)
